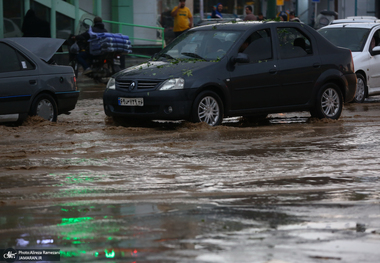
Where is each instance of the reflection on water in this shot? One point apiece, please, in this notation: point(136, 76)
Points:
point(291, 188)
point(155, 231)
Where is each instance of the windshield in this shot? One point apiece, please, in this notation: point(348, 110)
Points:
point(205, 45)
point(351, 38)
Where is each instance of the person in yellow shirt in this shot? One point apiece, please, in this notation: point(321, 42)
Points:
point(183, 19)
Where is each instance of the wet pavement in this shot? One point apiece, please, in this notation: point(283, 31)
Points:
point(290, 189)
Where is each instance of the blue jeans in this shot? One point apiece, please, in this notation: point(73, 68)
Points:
point(82, 58)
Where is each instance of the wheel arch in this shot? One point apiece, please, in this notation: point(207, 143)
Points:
point(340, 85)
point(336, 77)
point(218, 91)
point(48, 92)
point(362, 72)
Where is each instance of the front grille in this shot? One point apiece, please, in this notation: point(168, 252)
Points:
point(141, 85)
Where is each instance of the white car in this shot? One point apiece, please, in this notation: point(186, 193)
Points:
point(11, 29)
point(363, 40)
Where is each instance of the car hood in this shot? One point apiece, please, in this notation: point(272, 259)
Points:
point(163, 69)
point(43, 48)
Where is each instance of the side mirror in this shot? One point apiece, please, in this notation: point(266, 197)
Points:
point(240, 58)
point(375, 51)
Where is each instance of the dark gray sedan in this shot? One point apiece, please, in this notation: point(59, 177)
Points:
point(30, 84)
point(246, 69)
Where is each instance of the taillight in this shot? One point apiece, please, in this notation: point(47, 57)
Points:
point(75, 83)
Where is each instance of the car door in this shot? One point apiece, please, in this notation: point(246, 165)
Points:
point(299, 65)
point(374, 65)
point(252, 85)
point(18, 81)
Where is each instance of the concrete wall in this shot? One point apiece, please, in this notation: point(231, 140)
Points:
point(145, 13)
point(364, 8)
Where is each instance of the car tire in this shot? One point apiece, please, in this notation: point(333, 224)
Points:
point(329, 102)
point(208, 108)
point(361, 89)
point(45, 106)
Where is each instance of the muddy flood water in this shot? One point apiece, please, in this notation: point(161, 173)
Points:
point(291, 189)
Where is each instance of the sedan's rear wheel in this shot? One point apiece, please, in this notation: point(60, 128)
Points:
point(208, 108)
point(44, 106)
point(329, 103)
point(361, 89)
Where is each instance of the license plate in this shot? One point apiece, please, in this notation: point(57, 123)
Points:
point(116, 62)
point(131, 101)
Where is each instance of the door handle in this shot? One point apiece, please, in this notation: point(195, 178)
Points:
point(273, 71)
point(32, 81)
point(316, 65)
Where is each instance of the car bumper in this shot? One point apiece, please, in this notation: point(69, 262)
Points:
point(66, 101)
point(350, 87)
point(166, 105)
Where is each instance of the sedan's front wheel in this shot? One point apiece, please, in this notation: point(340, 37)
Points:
point(44, 106)
point(208, 108)
point(329, 103)
point(361, 89)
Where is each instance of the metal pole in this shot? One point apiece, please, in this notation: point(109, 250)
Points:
point(315, 13)
point(53, 26)
point(201, 9)
point(1, 19)
point(76, 28)
point(26, 6)
point(98, 8)
point(356, 7)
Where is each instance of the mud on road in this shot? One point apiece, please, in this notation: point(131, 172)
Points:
point(290, 189)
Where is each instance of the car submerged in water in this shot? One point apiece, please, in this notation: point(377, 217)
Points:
point(247, 69)
point(30, 84)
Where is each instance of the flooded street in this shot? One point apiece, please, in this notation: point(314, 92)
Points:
point(291, 189)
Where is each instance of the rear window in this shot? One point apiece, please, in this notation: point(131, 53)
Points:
point(351, 38)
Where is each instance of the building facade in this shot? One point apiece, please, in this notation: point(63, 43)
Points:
point(66, 16)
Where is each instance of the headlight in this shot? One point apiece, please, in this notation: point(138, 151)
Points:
point(111, 84)
point(172, 84)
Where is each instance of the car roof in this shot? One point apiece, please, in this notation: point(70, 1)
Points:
point(356, 20)
point(353, 25)
point(361, 17)
point(242, 25)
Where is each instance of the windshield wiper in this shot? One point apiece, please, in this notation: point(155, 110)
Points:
point(193, 55)
point(166, 56)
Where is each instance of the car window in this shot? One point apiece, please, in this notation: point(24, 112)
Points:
point(208, 45)
point(258, 46)
point(351, 38)
point(15, 60)
point(375, 41)
point(293, 43)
